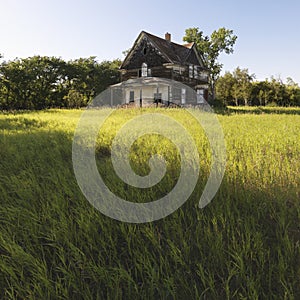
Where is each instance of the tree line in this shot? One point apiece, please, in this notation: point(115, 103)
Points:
point(241, 88)
point(41, 82)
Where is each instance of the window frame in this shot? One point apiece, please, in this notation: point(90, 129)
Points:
point(144, 70)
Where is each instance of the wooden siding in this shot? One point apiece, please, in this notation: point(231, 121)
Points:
point(164, 72)
point(144, 52)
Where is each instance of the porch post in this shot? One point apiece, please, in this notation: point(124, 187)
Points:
point(111, 96)
point(141, 99)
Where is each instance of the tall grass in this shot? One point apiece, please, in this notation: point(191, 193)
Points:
point(243, 245)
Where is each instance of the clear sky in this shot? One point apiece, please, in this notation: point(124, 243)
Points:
point(268, 31)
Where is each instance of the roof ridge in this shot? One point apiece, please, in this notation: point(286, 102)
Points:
point(173, 53)
point(158, 37)
point(157, 46)
point(170, 44)
point(189, 45)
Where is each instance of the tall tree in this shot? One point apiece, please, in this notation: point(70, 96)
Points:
point(260, 94)
point(293, 91)
point(242, 87)
point(236, 88)
point(221, 40)
point(224, 88)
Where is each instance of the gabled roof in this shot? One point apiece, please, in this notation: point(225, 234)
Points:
point(189, 45)
point(172, 52)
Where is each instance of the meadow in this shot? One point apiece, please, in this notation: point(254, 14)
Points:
point(244, 245)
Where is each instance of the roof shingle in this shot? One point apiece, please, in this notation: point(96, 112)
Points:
point(175, 52)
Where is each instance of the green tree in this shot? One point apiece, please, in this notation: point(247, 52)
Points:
point(74, 99)
point(242, 86)
point(89, 78)
point(42, 82)
point(293, 92)
point(235, 88)
point(30, 83)
point(220, 41)
point(224, 87)
point(261, 93)
point(278, 93)
point(14, 81)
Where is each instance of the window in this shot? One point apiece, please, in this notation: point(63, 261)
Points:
point(200, 96)
point(145, 50)
point(191, 71)
point(131, 96)
point(203, 76)
point(176, 94)
point(183, 96)
point(144, 70)
point(196, 72)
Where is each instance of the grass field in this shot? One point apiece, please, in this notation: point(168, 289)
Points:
point(244, 245)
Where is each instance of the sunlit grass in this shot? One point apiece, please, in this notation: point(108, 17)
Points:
point(244, 245)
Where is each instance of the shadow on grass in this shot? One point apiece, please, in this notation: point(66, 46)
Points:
point(243, 243)
point(21, 123)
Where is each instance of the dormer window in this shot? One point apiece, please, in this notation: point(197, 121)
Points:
point(144, 70)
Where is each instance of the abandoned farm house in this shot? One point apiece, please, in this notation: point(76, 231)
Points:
point(157, 71)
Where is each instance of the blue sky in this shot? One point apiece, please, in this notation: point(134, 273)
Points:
point(268, 31)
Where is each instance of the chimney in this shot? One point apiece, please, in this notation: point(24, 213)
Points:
point(168, 36)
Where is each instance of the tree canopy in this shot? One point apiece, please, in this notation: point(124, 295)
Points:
point(40, 82)
point(240, 88)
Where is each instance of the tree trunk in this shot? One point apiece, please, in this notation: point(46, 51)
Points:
point(213, 92)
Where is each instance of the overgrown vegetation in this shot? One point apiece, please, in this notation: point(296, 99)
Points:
point(243, 245)
point(41, 82)
point(240, 88)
